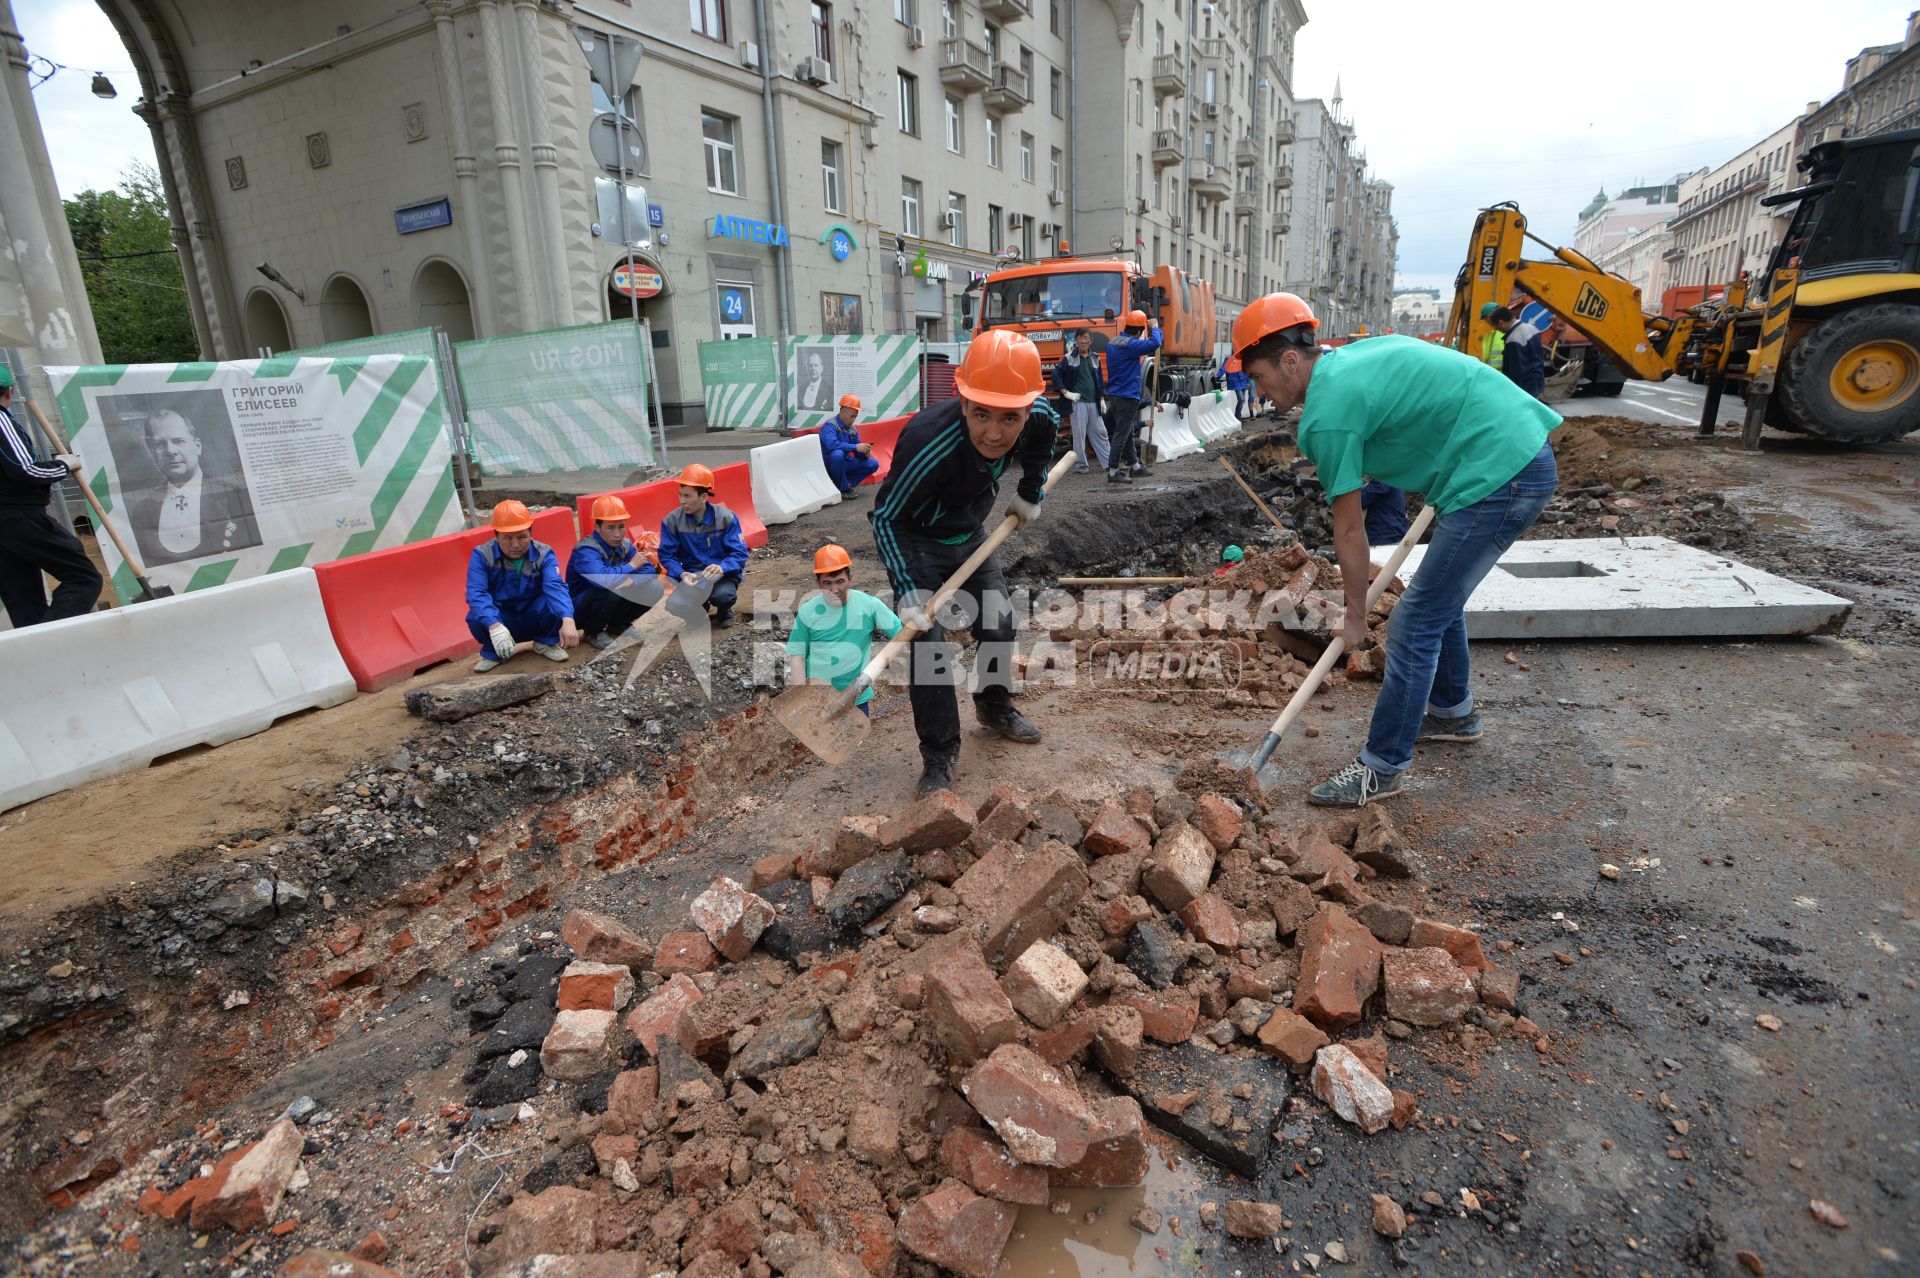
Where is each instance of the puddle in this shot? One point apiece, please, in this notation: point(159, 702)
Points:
point(1780, 521)
point(1108, 1245)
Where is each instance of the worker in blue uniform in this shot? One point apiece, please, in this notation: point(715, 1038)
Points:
point(1124, 354)
point(701, 545)
point(515, 593)
point(612, 578)
point(849, 460)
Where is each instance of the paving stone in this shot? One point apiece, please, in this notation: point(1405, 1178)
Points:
point(1426, 987)
point(1117, 1155)
point(983, 1162)
point(457, 699)
point(1339, 969)
point(1153, 953)
point(971, 1014)
point(1043, 983)
point(1020, 895)
point(1035, 1109)
point(868, 888)
point(1181, 867)
point(732, 918)
point(958, 1229)
point(600, 938)
point(940, 820)
point(1241, 1145)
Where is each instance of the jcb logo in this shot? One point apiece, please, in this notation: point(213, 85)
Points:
point(1590, 305)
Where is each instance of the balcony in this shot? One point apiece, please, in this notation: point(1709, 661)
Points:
point(1283, 132)
point(1167, 148)
point(1007, 10)
point(1246, 153)
point(1169, 76)
point(1008, 92)
point(1245, 203)
point(964, 64)
point(1212, 50)
point(1208, 180)
point(1283, 176)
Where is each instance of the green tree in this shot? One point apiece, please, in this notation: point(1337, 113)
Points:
point(125, 241)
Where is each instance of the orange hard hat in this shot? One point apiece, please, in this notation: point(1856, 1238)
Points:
point(609, 507)
point(1265, 316)
point(850, 401)
point(695, 476)
point(831, 558)
point(511, 517)
point(1136, 319)
point(1001, 370)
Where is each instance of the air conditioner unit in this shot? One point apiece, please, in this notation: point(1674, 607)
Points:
point(1055, 197)
point(1015, 221)
point(750, 55)
point(1213, 110)
point(812, 71)
point(1140, 205)
point(1175, 221)
point(948, 221)
point(916, 38)
point(1046, 230)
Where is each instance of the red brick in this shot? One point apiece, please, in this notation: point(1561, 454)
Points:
point(1124, 913)
point(940, 820)
point(577, 1045)
point(1064, 1042)
point(958, 1229)
point(598, 938)
point(245, 1195)
point(1291, 1037)
point(732, 918)
point(857, 839)
point(1169, 1016)
point(1426, 987)
point(559, 1221)
point(1043, 983)
point(984, 1163)
point(685, 952)
point(1210, 919)
point(1181, 868)
point(1319, 856)
point(848, 1212)
point(1499, 987)
point(1457, 941)
point(1118, 1034)
point(1021, 895)
point(610, 1150)
point(1036, 1111)
point(1118, 1153)
point(774, 867)
point(970, 1012)
point(1372, 1051)
point(663, 1015)
point(1114, 832)
point(1215, 816)
point(700, 1164)
point(373, 1245)
point(735, 1230)
point(605, 987)
point(631, 1095)
point(1245, 1218)
point(910, 991)
point(318, 1262)
point(1292, 903)
point(1339, 969)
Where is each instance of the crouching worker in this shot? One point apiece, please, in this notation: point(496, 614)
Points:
point(701, 545)
point(849, 461)
point(515, 594)
point(611, 578)
point(833, 631)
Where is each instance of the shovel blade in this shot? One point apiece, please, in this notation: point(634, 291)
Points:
point(808, 713)
point(149, 591)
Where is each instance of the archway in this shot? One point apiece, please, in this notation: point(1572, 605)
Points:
point(441, 299)
point(267, 323)
point(344, 313)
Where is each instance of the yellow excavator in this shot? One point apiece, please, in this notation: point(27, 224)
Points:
point(1825, 342)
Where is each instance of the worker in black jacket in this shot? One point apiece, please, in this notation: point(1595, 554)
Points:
point(930, 514)
point(32, 541)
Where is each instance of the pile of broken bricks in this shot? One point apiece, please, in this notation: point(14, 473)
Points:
point(882, 1048)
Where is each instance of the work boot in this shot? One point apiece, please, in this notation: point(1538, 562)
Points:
point(1007, 722)
point(936, 774)
point(1465, 727)
point(551, 651)
point(1354, 786)
point(723, 619)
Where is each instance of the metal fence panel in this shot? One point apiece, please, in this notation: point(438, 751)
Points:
point(563, 399)
point(739, 381)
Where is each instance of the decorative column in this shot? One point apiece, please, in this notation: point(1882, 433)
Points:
point(546, 169)
point(190, 271)
point(506, 152)
point(182, 139)
point(466, 170)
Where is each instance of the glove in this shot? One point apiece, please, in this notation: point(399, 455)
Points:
point(1023, 510)
point(916, 620)
point(502, 641)
point(1071, 396)
point(70, 461)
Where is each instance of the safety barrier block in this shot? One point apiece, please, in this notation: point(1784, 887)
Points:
point(733, 488)
point(395, 612)
point(789, 479)
point(1173, 435)
point(647, 504)
point(884, 435)
point(110, 692)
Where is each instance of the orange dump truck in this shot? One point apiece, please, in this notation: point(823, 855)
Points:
point(1051, 300)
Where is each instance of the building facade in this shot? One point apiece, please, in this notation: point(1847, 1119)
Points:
point(1605, 223)
point(1642, 260)
point(1880, 92)
point(1343, 244)
point(1720, 229)
point(853, 166)
point(1419, 311)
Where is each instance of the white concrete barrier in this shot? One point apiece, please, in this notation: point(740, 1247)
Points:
point(112, 691)
point(1212, 415)
point(790, 479)
point(1173, 435)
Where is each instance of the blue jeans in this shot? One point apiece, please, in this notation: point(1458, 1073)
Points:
point(1427, 669)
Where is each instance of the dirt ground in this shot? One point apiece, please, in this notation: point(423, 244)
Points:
point(1756, 798)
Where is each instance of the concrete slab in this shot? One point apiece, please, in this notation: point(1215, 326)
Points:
point(1634, 588)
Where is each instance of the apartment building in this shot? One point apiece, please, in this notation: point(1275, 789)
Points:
point(1341, 251)
point(1720, 228)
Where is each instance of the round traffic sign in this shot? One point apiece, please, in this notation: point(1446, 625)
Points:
point(639, 280)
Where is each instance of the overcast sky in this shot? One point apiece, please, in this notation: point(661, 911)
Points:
point(1458, 106)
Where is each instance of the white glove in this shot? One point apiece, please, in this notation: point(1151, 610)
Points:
point(70, 461)
point(1071, 396)
point(502, 641)
point(1023, 510)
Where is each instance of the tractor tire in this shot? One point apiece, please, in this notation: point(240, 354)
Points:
point(1855, 379)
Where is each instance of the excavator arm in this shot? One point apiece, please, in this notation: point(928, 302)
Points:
point(1604, 307)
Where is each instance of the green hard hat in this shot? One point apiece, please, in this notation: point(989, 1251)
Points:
point(1233, 554)
point(1489, 309)
point(6, 377)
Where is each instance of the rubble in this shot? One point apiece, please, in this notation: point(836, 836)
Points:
point(731, 917)
point(1339, 968)
point(1035, 1110)
point(1351, 1090)
point(456, 699)
point(957, 1228)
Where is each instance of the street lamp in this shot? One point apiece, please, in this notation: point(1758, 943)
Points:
point(103, 87)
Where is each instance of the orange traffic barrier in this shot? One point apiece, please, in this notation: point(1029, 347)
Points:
point(647, 505)
point(882, 434)
point(733, 488)
point(395, 612)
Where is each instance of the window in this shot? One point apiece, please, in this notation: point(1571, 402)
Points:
point(1209, 99)
point(993, 142)
point(721, 133)
point(1056, 92)
point(1026, 67)
point(1026, 238)
point(1159, 39)
point(957, 219)
point(823, 32)
point(903, 11)
point(949, 18)
point(996, 232)
point(1206, 145)
point(709, 18)
point(1053, 16)
point(953, 125)
point(909, 207)
point(909, 89)
point(830, 176)
point(1055, 164)
point(1139, 178)
point(1140, 105)
point(1026, 157)
point(993, 45)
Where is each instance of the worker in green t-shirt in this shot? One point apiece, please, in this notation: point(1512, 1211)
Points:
point(1428, 420)
point(833, 630)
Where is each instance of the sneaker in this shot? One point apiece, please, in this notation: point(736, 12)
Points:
point(1141, 472)
point(551, 651)
point(723, 620)
point(1080, 468)
point(1119, 477)
point(1464, 727)
point(601, 641)
point(936, 775)
point(485, 664)
point(1354, 786)
point(1009, 723)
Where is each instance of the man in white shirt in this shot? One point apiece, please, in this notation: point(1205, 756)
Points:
point(194, 515)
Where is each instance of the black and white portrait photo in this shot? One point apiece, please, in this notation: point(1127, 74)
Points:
point(186, 493)
point(814, 388)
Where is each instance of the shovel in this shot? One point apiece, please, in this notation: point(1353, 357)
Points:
point(818, 714)
point(148, 591)
point(1238, 758)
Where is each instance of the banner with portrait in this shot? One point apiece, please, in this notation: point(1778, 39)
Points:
point(883, 371)
point(221, 471)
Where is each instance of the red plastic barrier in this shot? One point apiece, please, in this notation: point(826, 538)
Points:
point(883, 435)
point(395, 612)
point(733, 489)
point(647, 505)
